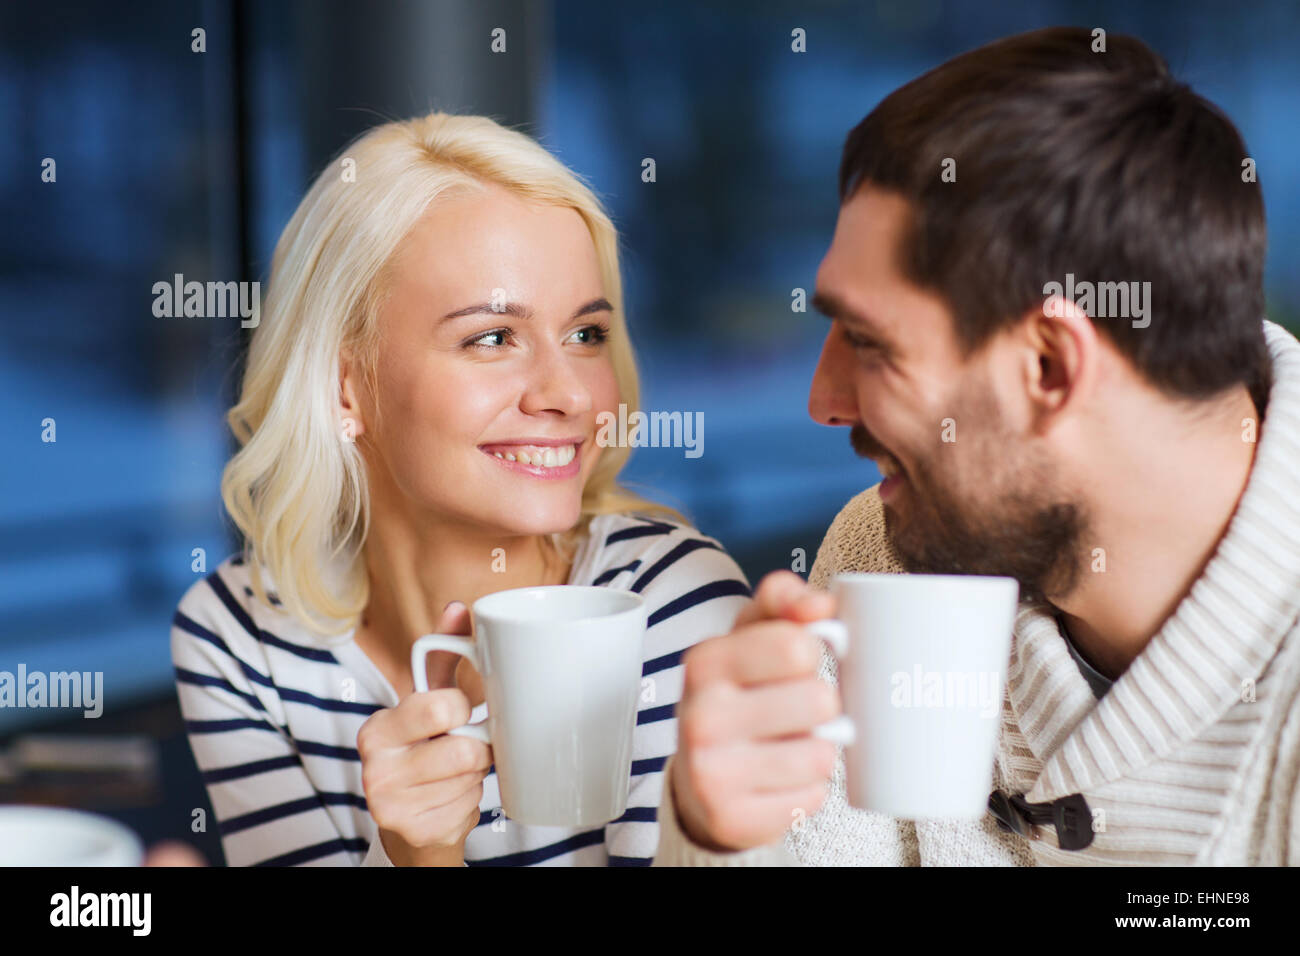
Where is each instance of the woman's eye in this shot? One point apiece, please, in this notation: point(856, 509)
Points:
point(593, 334)
point(483, 340)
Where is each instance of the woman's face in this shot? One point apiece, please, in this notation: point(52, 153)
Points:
point(492, 366)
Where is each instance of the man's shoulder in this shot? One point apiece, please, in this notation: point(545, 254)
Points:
point(863, 512)
point(856, 541)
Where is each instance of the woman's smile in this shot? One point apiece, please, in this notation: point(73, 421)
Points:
point(547, 458)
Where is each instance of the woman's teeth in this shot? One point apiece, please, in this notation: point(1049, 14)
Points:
point(541, 457)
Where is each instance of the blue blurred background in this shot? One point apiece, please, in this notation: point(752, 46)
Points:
point(175, 161)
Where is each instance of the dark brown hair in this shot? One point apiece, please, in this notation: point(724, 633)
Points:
point(1067, 160)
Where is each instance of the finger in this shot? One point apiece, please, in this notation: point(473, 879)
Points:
point(173, 853)
point(812, 605)
point(441, 793)
point(722, 713)
point(759, 819)
point(774, 766)
point(429, 713)
point(472, 819)
point(443, 824)
point(447, 755)
point(755, 654)
point(775, 591)
point(455, 619)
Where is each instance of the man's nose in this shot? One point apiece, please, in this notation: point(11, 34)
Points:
point(832, 399)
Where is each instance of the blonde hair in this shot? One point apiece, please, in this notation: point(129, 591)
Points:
point(295, 489)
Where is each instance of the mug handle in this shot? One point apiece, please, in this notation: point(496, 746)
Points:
point(457, 645)
point(839, 730)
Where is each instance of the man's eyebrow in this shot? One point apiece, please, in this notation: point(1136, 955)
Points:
point(834, 308)
point(523, 311)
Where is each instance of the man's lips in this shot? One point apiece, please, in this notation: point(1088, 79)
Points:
point(866, 446)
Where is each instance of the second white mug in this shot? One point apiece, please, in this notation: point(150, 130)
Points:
point(922, 666)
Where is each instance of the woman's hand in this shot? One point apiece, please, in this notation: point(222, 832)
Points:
point(424, 793)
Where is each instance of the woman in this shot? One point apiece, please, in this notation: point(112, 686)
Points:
point(442, 329)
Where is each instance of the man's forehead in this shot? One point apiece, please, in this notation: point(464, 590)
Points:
point(868, 230)
point(859, 268)
point(859, 281)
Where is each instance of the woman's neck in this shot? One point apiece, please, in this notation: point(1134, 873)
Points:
point(415, 572)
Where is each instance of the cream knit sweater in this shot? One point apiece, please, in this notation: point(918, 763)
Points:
point(1192, 757)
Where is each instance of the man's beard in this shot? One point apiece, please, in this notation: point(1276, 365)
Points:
point(1016, 529)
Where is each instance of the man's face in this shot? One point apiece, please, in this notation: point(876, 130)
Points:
point(969, 487)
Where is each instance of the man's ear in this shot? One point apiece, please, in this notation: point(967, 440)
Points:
point(1061, 361)
point(349, 404)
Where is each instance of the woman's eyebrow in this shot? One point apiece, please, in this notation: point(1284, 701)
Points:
point(595, 305)
point(523, 312)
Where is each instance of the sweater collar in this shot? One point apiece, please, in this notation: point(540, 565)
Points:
point(1208, 654)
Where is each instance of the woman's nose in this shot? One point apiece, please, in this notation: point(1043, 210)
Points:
point(556, 385)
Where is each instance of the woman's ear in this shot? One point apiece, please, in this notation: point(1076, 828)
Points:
point(349, 404)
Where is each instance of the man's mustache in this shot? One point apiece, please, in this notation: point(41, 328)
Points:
point(864, 445)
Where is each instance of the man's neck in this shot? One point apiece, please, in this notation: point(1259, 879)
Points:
point(1166, 491)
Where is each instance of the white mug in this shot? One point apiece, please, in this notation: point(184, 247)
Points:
point(561, 668)
point(922, 666)
point(54, 836)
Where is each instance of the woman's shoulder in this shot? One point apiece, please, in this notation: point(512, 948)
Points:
point(222, 611)
point(638, 532)
point(227, 587)
point(214, 617)
point(633, 549)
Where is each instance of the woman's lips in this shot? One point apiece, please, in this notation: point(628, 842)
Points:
point(541, 458)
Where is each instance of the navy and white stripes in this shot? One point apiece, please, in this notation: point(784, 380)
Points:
point(272, 711)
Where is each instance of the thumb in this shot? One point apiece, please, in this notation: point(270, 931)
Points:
point(775, 593)
point(455, 619)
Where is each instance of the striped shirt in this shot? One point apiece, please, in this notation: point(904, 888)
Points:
point(1191, 757)
point(272, 711)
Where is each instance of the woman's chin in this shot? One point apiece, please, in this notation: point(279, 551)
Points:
point(542, 522)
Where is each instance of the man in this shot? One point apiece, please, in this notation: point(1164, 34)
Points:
point(1133, 460)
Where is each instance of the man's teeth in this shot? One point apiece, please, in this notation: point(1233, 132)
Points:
point(538, 457)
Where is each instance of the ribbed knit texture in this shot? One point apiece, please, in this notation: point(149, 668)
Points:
point(1192, 757)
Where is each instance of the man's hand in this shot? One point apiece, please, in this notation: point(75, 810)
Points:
point(745, 758)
